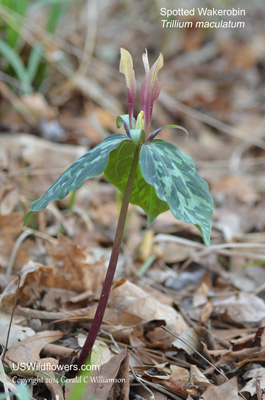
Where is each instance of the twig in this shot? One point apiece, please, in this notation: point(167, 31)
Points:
point(26, 232)
point(13, 255)
point(222, 248)
point(139, 380)
point(111, 338)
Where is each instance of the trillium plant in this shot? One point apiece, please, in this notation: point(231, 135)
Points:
point(151, 173)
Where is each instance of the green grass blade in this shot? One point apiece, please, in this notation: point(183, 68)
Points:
point(54, 16)
point(20, 7)
point(16, 63)
point(34, 61)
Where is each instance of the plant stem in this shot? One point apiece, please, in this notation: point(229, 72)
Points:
point(92, 335)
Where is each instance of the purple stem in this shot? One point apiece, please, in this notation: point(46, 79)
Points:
point(92, 335)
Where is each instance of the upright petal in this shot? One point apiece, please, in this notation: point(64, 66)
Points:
point(150, 88)
point(126, 68)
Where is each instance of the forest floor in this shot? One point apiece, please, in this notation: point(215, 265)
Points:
point(184, 321)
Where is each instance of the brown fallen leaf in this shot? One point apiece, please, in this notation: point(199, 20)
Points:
point(177, 381)
point(188, 341)
point(174, 252)
point(180, 376)
point(57, 351)
point(32, 278)
point(17, 331)
point(200, 296)
point(73, 267)
point(226, 356)
point(246, 309)
point(121, 387)
point(206, 312)
point(227, 391)
point(10, 227)
point(159, 338)
point(178, 389)
point(28, 350)
point(243, 350)
point(253, 340)
point(256, 374)
point(132, 298)
point(197, 377)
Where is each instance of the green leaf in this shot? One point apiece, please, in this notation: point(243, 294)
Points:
point(143, 195)
point(176, 181)
point(88, 166)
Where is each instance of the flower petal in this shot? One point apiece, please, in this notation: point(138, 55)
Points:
point(150, 88)
point(126, 68)
point(140, 121)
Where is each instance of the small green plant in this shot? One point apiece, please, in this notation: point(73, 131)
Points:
point(151, 173)
point(13, 18)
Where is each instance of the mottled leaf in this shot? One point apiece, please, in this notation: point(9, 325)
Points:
point(143, 194)
point(176, 181)
point(88, 166)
